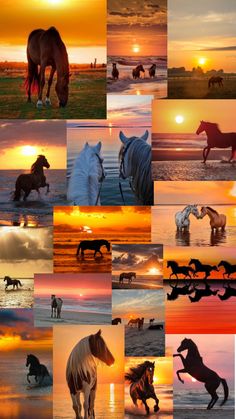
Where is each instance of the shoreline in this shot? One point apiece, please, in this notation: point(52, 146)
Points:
point(42, 318)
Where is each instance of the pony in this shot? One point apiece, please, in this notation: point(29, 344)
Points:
point(229, 269)
point(36, 369)
point(216, 138)
point(152, 70)
point(117, 320)
point(141, 388)
point(46, 48)
point(199, 293)
point(182, 217)
point(215, 80)
point(177, 291)
point(194, 366)
point(216, 220)
point(229, 292)
point(199, 267)
point(134, 322)
point(181, 270)
point(56, 305)
point(127, 275)
point(87, 175)
point(92, 245)
point(32, 181)
point(81, 371)
point(115, 72)
point(135, 162)
point(13, 282)
point(137, 70)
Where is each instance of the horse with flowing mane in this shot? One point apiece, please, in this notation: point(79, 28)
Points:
point(181, 270)
point(92, 245)
point(217, 221)
point(46, 48)
point(135, 163)
point(36, 369)
point(14, 282)
point(199, 267)
point(229, 268)
point(215, 80)
point(216, 139)
point(81, 371)
point(194, 366)
point(56, 305)
point(127, 275)
point(136, 73)
point(32, 181)
point(141, 388)
point(87, 176)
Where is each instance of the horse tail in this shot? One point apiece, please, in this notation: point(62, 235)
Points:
point(20, 283)
point(17, 193)
point(32, 79)
point(226, 390)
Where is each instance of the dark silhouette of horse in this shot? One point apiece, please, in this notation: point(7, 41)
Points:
point(13, 282)
point(36, 369)
point(117, 320)
point(56, 305)
point(92, 245)
point(152, 70)
point(141, 323)
point(229, 269)
point(216, 138)
point(176, 291)
point(32, 181)
point(141, 388)
point(126, 275)
point(134, 322)
point(115, 72)
point(136, 73)
point(151, 321)
point(229, 292)
point(46, 48)
point(199, 267)
point(180, 270)
point(194, 366)
point(202, 292)
point(215, 80)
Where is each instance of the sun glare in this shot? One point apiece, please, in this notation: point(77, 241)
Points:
point(232, 192)
point(136, 48)
point(179, 119)
point(202, 61)
point(153, 271)
point(28, 150)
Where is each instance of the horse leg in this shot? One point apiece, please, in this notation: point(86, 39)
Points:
point(32, 69)
point(41, 86)
point(86, 400)
point(27, 192)
point(47, 100)
point(76, 405)
point(47, 184)
point(214, 397)
point(146, 406)
point(178, 374)
point(28, 377)
point(207, 151)
point(92, 401)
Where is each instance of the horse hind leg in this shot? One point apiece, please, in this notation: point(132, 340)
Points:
point(214, 397)
point(41, 86)
point(76, 405)
point(47, 100)
point(146, 406)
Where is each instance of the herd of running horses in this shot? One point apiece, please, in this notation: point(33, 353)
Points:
point(192, 287)
point(190, 272)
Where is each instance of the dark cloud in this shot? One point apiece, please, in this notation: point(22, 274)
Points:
point(11, 317)
point(230, 48)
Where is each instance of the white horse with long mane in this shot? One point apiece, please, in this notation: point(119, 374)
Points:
point(86, 177)
point(135, 162)
point(182, 220)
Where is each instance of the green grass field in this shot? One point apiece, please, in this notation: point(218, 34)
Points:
point(181, 88)
point(87, 98)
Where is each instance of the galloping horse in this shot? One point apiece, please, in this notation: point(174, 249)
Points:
point(32, 181)
point(215, 80)
point(152, 70)
point(181, 270)
point(177, 291)
point(36, 369)
point(115, 72)
point(56, 305)
point(216, 138)
point(92, 245)
point(141, 388)
point(116, 320)
point(182, 217)
point(14, 282)
point(46, 48)
point(216, 220)
point(137, 70)
point(229, 269)
point(127, 275)
point(81, 371)
point(199, 267)
point(194, 366)
point(229, 292)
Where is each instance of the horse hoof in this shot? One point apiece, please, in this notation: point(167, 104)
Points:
point(39, 104)
point(156, 408)
point(47, 101)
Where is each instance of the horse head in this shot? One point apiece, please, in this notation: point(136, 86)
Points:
point(108, 245)
point(125, 169)
point(222, 263)
point(185, 345)
point(30, 359)
point(40, 162)
point(203, 212)
point(150, 368)
point(140, 68)
point(201, 127)
point(194, 211)
point(94, 160)
point(62, 88)
point(99, 349)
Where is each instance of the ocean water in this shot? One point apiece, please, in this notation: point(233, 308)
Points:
point(94, 304)
point(195, 398)
point(146, 281)
point(23, 297)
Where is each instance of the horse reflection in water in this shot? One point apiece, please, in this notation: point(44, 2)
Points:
point(229, 292)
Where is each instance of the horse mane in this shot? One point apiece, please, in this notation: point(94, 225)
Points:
point(60, 44)
point(211, 209)
point(135, 373)
point(34, 357)
point(35, 164)
point(213, 124)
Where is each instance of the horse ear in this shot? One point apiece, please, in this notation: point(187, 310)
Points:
point(98, 147)
point(98, 333)
point(145, 136)
point(86, 145)
point(123, 138)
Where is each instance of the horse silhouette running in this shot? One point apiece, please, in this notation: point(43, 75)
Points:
point(177, 291)
point(229, 269)
point(180, 270)
point(202, 292)
point(13, 282)
point(199, 267)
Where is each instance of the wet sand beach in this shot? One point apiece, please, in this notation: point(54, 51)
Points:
point(42, 318)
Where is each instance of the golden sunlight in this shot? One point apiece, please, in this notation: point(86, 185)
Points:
point(28, 150)
point(178, 149)
point(193, 379)
point(232, 191)
point(202, 61)
point(136, 48)
point(153, 271)
point(179, 119)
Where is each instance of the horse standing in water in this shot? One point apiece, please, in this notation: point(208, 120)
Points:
point(32, 181)
point(56, 305)
point(92, 245)
point(36, 369)
point(217, 221)
point(81, 372)
point(216, 139)
point(152, 71)
point(136, 73)
point(135, 163)
point(141, 388)
point(229, 268)
point(182, 217)
point(13, 282)
point(194, 366)
point(87, 176)
point(46, 48)
point(215, 80)
point(115, 72)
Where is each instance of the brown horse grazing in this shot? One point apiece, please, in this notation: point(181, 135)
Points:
point(137, 70)
point(46, 48)
point(33, 180)
point(216, 220)
point(215, 80)
point(194, 366)
point(115, 72)
point(216, 138)
point(152, 70)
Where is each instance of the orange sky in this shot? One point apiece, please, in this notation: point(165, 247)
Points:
point(66, 337)
point(163, 367)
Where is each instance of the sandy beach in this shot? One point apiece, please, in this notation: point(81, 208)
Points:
point(219, 413)
point(42, 318)
point(144, 342)
point(131, 86)
point(18, 298)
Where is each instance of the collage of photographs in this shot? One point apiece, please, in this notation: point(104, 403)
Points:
point(117, 209)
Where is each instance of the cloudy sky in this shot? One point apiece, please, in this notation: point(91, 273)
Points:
point(144, 259)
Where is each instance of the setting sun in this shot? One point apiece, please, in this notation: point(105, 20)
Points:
point(179, 119)
point(28, 150)
point(153, 271)
point(136, 48)
point(202, 61)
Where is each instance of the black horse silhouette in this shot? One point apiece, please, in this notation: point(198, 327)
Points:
point(92, 245)
point(141, 388)
point(176, 291)
point(117, 320)
point(199, 267)
point(136, 73)
point(126, 275)
point(229, 292)
point(36, 369)
point(202, 292)
point(193, 365)
point(181, 270)
point(13, 282)
point(152, 70)
point(229, 269)
point(115, 72)
point(216, 138)
point(215, 80)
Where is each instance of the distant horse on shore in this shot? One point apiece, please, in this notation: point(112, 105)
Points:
point(92, 245)
point(134, 322)
point(135, 163)
point(81, 371)
point(46, 48)
point(56, 305)
point(117, 320)
point(229, 269)
point(202, 292)
point(32, 181)
point(194, 366)
point(36, 369)
point(115, 72)
point(136, 73)
point(151, 321)
point(216, 139)
point(199, 267)
point(127, 275)
point(13, 282)
point(141, 323)
point(141, 388)
point(180, 270)
point(215, 80)
point(177, 291)
point(229, 292)
point(182, 220)
point(152, 70)
point(217, 221)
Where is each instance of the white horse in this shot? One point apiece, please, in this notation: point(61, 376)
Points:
point(135, 162)
point(182, 220)
point(81, 372)
point(86, 177)
point(56, 305)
